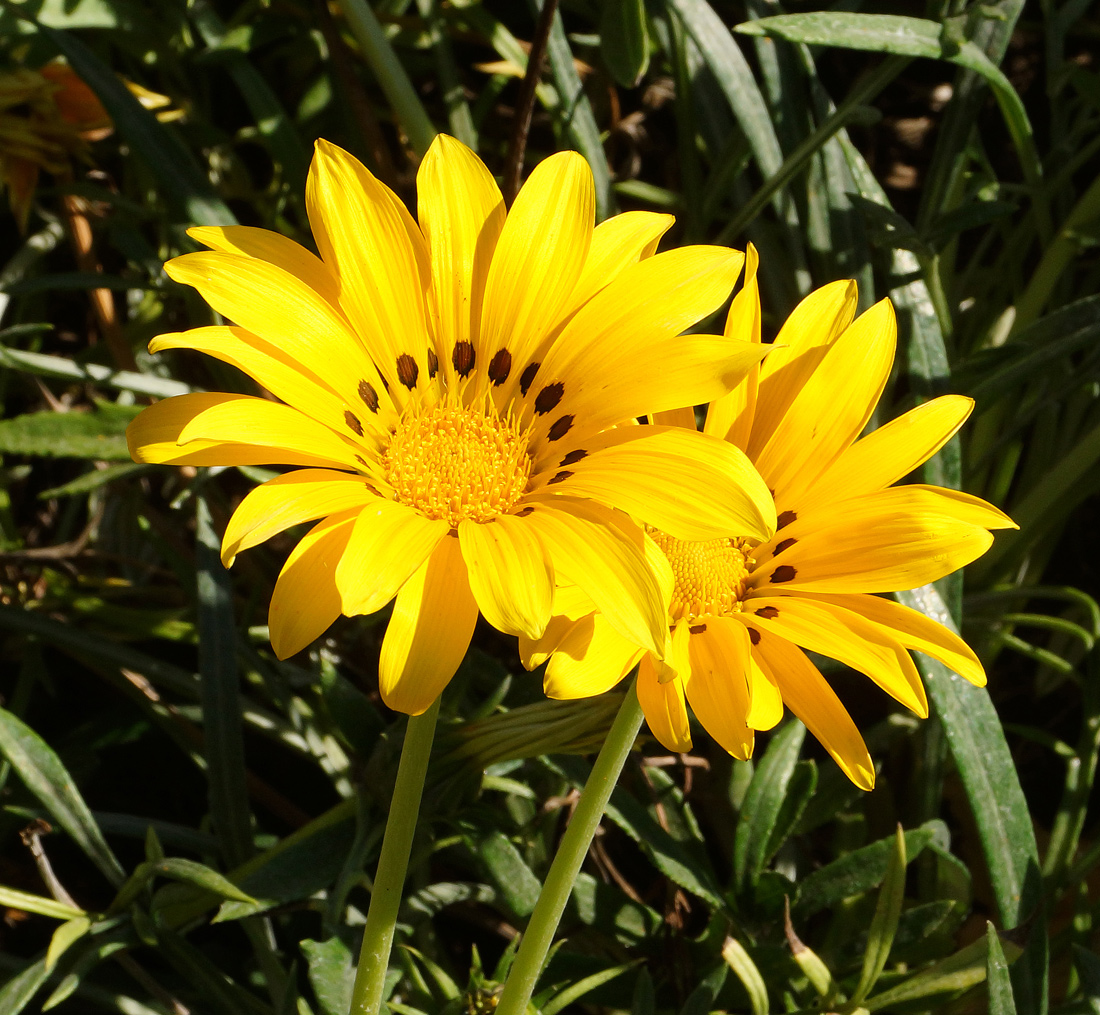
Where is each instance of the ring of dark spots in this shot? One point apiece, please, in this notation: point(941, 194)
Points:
point(433, 364)
point(369, 395)
point(783, 573)
point(463, 357)
point(407, 370)
point(573, 457)
point(523, 512)
point(697, 628)
point(549, 397)
point(353, 422)
point(768, 612)
point(527, 377)
point(500, 366)
point(784, 545)
point(560, 477)
point(561, 427)
point(785, 518)
point(754, 636)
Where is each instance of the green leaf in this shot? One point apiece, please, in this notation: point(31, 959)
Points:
point(575, 991)
point(17, 993)
point(977, 742)
point(763, 804)
point(93, 479)
point(1088, 971)
point(74, 280)
point(937, 983)
point(98, 435)
point(91, 373)
point(884, 924)
point(518, 886)
point(183, 183)
point(44, 906)
point(1001, 1001)
point(331, 974)
point(861, 870)
point(624, 40)
point(747, 972)
point(66, 935)
point(46, 777)
point(645, 997)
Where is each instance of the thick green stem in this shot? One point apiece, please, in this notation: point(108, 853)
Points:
point(385, 900)
point(567, 863)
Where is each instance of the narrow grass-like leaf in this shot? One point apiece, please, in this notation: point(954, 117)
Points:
point(221, 704)
point(747, 972)
point(47, 778)
point(937, 983)
point(25, 902)
point(763, 803)
point(183, 183)
point(624, 40)
point(575, 991)
point(1001, 1001)
point(18, 992)
point(94, 435)
point(884, 924)
point(91, 373)
point(64, 937)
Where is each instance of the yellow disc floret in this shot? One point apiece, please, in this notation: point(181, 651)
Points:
point(709, 576)
point(457, 463)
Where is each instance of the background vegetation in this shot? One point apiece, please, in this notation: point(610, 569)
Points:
point(216, 814)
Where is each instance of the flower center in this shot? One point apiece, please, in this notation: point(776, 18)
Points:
point(457, 463)
point(709, 576)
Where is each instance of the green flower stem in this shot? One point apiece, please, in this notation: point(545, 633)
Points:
point(571, 853)
point(385, 900)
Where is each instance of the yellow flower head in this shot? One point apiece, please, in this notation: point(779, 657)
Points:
point(742, 608)
point(463, 394)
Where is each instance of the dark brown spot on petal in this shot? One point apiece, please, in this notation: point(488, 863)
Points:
point(528, 376)
point(433, 364)
point(549, 397)
point(697, 628)
point(407, 370)
point(362, 461)
point(754, 636)
point(385, 383)
point(500, 366)
point(372, 490)
point(573, 457)
point(767, 612)
point(353, 422)
point(785, 518)
point(783, 573)
point(463, 358)
point(783, 545)
point(560, 428)
point(523, 512)
point(369, 395)
point(453, 532)
point(560, 477)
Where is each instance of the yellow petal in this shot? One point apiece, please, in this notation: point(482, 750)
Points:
point(282, 310)
point(616, 244)
point(570, 605)
point(592, 658)
point(619, 356)
point(462, 213)
point(387, 545)
point(664, 708)
point(431, 627)
point(730, 417)
point(765, 701)
point(685, 483)
point(510, 575)
point(272, 369)
point(915, 631)
point(537, 261)
point(683, 417)
point(899, 538)
point(368, 239)
point(808, 695)
point(604, 555)
point(892, 451)
point(798, 349)
point(288, 500)
point(832, 408)
point(306, 601)
point(821, 627)
point(718, 689)
point(154, 435)
point(964, 506)
point(285, 430)
point(274, 248)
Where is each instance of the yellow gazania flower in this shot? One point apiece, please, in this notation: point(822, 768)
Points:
point(742, 608)
point(462, 394)
point(47, 118)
